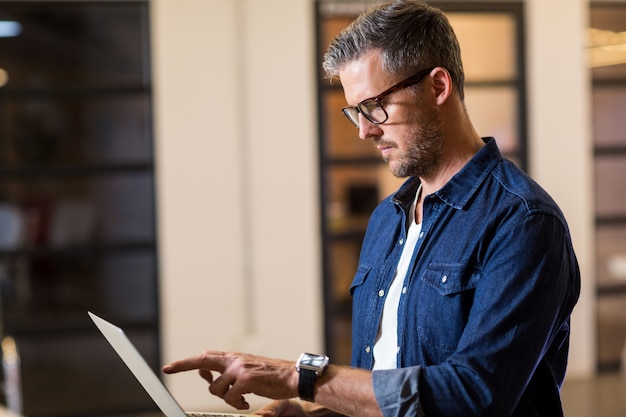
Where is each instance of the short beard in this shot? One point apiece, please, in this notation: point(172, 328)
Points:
point(425, 149)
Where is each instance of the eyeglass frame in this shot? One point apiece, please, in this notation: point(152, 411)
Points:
point(408, 82)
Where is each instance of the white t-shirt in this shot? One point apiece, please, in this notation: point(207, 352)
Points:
point(386, 346)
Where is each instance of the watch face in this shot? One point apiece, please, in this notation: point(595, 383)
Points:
point(311, 361)
point(316, 360)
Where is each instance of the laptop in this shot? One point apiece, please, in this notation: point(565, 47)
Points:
point(144, 374)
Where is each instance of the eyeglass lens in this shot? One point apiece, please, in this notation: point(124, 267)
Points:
point(372, 108)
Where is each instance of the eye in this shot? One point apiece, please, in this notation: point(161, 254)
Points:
point(373, 110)
point(369, 106)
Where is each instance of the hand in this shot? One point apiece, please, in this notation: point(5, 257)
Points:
point(282, 408)
point(242, 374)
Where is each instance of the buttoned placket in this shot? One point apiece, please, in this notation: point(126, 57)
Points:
point(384, 282)
point(427, 213)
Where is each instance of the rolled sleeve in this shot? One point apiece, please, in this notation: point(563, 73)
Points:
point(397, 392)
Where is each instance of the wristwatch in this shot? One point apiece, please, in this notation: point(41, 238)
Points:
point(310, 366)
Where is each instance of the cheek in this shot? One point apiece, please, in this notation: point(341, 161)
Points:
point(408, 112)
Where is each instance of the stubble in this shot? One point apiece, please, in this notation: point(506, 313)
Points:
point(424, 149)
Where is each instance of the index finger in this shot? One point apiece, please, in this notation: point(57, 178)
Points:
point(209, 360)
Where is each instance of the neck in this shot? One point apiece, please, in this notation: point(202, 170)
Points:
point(461, 142)
point(418, 205)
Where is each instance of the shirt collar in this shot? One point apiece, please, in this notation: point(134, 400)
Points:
point(462, 186)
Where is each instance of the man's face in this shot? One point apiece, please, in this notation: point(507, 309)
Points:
point(411, 139)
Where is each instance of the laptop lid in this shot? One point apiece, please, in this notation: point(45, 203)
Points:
point(142, 371)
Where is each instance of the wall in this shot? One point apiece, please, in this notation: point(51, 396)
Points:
point(235, 128)
point(561, 143)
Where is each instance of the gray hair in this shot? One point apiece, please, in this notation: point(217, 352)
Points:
point(411, 36)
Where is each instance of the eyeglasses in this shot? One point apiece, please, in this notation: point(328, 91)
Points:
point(372, 108)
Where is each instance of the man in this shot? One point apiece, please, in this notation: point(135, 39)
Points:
point(467, 276)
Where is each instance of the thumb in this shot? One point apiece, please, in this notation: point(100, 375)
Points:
point(281, 408)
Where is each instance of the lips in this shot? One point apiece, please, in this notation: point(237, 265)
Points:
point(385, 149)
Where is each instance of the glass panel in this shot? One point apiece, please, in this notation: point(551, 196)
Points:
point(340, 331)
point(77, 227)
point(611, 253)
point(126, 285)
point(126, 207)
point(354, 191)
point(611, 18)
point(78, 44)
point(73, 212)
point(488, 45)
point(341, 137)
point(329, 28)
point(343, 262)
point(609, 108)
point(610, 185)
point(75, 130)
point(50, 287)
point(611, 331)
point(494, 112)
point(102, 381)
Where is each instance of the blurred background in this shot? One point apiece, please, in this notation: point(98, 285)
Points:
point(182, 169)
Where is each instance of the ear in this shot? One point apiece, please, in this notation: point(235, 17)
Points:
point(442, 84)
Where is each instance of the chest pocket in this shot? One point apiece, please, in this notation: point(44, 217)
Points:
point(447, 295)
point(449, 279)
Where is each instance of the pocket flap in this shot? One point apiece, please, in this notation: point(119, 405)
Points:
point(450, 279)
point(359, 278)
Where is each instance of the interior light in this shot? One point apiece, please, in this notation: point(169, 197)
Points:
point(606, 47)
point(9, 28)
point(617, 266)
point(4, 77)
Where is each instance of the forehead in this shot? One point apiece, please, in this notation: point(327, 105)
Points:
point(364, 77)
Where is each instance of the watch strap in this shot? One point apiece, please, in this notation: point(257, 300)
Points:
point(306, 387)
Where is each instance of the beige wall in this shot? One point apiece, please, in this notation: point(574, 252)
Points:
point(235, 127)
point(236, 156)
point(560, 143)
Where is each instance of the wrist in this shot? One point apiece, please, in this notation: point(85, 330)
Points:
point(310, 367)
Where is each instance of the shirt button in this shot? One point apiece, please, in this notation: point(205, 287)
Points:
point(404, 290)
point(401, 242)
point(381, 293)
point(444, 279)
point(421, 234)
point(397, 349)
point(367, 349)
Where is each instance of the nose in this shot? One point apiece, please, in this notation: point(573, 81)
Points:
point(367, 129)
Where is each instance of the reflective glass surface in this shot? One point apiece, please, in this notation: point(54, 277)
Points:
point(77, 216)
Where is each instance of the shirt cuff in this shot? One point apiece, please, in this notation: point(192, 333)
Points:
point(397, 393)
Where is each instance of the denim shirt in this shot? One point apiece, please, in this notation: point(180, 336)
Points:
point(483, 319)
